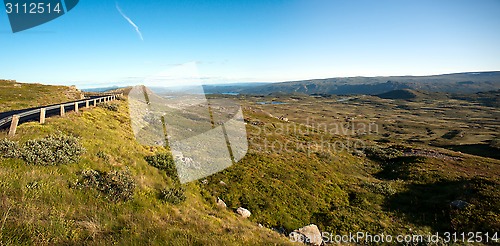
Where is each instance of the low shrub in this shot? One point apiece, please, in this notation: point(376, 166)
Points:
point(164, 162)
point(121, 98)
point(380, 188)
point(9, 149)
point(52, 150)
point(382, 154)
point(115, 185)
point(325, 156)
point(172, 195)
point(109, 106)
point(102, 155)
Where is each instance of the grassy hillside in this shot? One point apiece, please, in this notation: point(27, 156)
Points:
point(488, 98)
point(47, 205)
point(15, 95)
point(309, 161)
point(295, 175)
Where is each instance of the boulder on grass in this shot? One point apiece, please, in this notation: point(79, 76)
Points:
point(308, 234)
point(243, 212)
point(221, 203)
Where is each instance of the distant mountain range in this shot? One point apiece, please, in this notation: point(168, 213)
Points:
point(453, 83)
point(462, 83)
point(102, 89)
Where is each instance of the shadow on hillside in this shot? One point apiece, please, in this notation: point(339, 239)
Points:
point(483, 150)
point(398, 168)
point(430, 205)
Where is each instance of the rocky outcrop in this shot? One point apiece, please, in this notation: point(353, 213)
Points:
point(283, 118)
point(243, 212)
point(221, 203)
point(308, 234)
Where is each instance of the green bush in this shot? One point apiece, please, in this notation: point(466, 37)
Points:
point(102, 155)
point(116, 185)
point(52, 150)
point(382, 154)
point(380, 188)
point(109, 106)
point(173, 195)
point(164, 162)
point(9, 149)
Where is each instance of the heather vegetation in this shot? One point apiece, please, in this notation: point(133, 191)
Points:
point(87, 181)
point(172, 195)
point(115, 185)
point(163, 161)
point(103, 191)
point(109, 106)
point(51, 150)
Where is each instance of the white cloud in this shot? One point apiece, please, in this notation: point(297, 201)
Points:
point(130, 21)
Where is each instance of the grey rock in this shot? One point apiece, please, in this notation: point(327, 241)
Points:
point(308, 234)
point(459, 204)
point(243, 212)
point(221, 203)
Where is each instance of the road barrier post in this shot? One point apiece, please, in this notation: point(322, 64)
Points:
point(62, 113)
point(76, 107)
point(42, 116)
point(13, 125)
point(87, 104)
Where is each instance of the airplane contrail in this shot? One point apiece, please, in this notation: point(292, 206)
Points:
point(130, 21)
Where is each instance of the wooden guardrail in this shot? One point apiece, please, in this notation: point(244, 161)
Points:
point(42, 112)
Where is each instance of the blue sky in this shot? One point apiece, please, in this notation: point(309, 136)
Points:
point(254, 40)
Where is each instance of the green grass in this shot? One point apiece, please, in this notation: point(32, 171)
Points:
point(379, 190)
point(384, 192)
point(45, 209)
point(15, 95)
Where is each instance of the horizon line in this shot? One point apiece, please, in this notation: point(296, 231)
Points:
point(124, 84)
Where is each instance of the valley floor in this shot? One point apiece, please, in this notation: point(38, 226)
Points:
point(345, 164)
